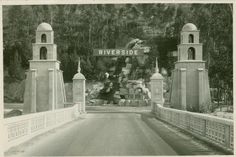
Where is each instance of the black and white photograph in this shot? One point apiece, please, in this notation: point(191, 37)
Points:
point(116, 79)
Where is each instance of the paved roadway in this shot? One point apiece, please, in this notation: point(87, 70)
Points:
point(111, 134)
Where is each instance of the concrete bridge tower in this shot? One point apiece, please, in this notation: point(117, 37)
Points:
point(44, 88)
point(190, 85)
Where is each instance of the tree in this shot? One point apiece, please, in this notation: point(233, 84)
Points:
point(81, 28)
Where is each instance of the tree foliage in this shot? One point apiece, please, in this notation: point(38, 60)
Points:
point(81, 28)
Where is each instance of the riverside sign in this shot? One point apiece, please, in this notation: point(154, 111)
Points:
point(118, 52)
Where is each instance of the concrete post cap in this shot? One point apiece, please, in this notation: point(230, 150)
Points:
point(79, 76)
point(157, 76)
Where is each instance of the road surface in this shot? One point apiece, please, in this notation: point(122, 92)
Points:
point(108, 134)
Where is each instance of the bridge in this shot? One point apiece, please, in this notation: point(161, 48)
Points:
point(117, 131)
point(77, 129)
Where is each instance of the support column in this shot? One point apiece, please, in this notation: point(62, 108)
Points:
point(62, 85)
point(83, 96)
point(56, 88)
point(200, 89)
point(33, 90)
point(75, 95)
point(183, 88)
point(79, 90)
point(51, 98)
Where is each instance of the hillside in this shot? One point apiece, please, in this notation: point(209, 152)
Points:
point(81, 28)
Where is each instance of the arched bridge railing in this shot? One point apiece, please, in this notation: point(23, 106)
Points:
point(22, 128)
point(214, 130)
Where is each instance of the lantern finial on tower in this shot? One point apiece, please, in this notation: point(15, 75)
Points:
point(157, 69)
point(79, 69)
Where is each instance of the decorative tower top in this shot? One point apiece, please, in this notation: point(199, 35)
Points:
point(44, 47)
point(189, 34)
point(189, 48)
point(44, 33)
point(44, 27)
point(189, 27)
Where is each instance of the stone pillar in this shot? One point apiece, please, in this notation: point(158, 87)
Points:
point(201, 88)
point(79, 90)
point(33, 90)
point(56, 89)
point(183, 88)
point(83, 95)
point(157, 88)
point(51, 98)
point(76, 94)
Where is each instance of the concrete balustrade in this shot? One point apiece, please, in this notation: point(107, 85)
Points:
point(215, 130)
point(22, 128)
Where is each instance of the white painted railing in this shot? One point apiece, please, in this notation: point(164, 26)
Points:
point(218, 131)
point(22, 128)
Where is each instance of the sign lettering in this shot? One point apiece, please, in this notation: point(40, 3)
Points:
point(118, 52)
